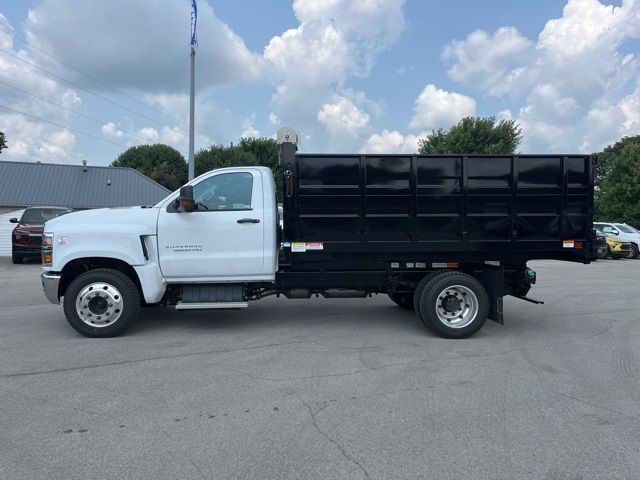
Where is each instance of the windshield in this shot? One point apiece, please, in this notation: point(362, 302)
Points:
point(41, 215)
point(624, 228)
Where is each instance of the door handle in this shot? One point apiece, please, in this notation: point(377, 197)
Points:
point(249, 220)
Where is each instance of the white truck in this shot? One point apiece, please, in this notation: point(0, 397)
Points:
point(446, 236)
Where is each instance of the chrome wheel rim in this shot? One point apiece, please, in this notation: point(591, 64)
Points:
point(457, 306)
point(99, 304)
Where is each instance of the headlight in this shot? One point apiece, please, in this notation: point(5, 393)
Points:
point(47, 240)
point(47, 249)
point(18, 236)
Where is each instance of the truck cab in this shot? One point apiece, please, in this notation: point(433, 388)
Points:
point(229, 235)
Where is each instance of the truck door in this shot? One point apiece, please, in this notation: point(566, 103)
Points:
point(222, 239)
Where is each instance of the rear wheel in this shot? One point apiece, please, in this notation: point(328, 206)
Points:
point(425, 280)
point(404, 299)
point(453, 305)
point(101, 303)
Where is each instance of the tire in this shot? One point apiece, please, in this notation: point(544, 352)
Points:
point(404, 300)
point(437, 300)
point(635, 252)
point(416, 296)
point(113, 295)
point(602, 255)
point(16, 258)
point(613, 255)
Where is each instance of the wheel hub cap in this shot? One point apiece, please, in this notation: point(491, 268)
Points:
point(99, 304)
point(457, 306)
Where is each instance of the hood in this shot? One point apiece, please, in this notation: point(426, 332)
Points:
point(138, 219)
point(615, 239)
point(30, 227)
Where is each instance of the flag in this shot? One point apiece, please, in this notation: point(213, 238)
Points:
point(194, 22)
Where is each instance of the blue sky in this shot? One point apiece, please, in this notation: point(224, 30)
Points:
point(366, 75)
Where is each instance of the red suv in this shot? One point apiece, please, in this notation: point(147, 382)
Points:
point(27, 236)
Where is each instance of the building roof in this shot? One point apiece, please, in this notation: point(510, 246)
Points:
point(25, 183)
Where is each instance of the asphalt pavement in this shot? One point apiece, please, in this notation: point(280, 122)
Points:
point(328, 389)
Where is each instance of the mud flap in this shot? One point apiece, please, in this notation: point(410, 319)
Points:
point(493, 282)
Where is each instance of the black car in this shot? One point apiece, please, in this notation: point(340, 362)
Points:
point(599, 249)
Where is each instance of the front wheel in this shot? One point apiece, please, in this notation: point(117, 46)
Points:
point(16, 258)
point(101, 303)
point(634, 251)
point(454, 305)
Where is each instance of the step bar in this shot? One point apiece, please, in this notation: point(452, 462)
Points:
point(210, 305)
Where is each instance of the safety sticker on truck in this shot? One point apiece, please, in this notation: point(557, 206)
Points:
point(568, 244)
point(298, 247)
point(315, 246)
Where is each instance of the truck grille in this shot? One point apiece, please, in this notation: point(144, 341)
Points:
point(34, 240)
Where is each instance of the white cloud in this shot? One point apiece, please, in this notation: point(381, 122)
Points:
point(335, 40)
point(343, 119)
point(149, 133)
point(212, 122)
point(249, 131)
point(110, 130)
point(573, 82)
point(172, 137)
point(404, 69)
point(436, 108)
point(605, 123)
point(545, 102)
point(142, 44)
point(490, 62)
point(630, 108)
point(588, 26)
point(391, 141)
point(29, 139)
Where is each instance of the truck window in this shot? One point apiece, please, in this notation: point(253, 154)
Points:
point(228, 191)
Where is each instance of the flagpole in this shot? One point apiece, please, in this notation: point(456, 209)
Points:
point(194, 42)
point(191, 113)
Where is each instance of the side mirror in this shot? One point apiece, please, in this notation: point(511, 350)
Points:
point(14, 220)
point(185, 201)
point(615, 232)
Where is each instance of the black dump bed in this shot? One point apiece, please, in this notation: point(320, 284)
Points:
point(373, 209)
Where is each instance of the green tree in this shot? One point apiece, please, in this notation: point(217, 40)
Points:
point(249, 151)
point(474, 135)
point(3, 142)
point(619, 198)
point(219, 156)
point(604, 164)
point(161, 163)
point(266, 152)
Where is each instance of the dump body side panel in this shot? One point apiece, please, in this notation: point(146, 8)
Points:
point(370, 210)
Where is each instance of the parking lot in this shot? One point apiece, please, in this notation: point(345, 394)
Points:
point(328, 388)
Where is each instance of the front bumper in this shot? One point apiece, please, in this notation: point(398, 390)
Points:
point(50, 284)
